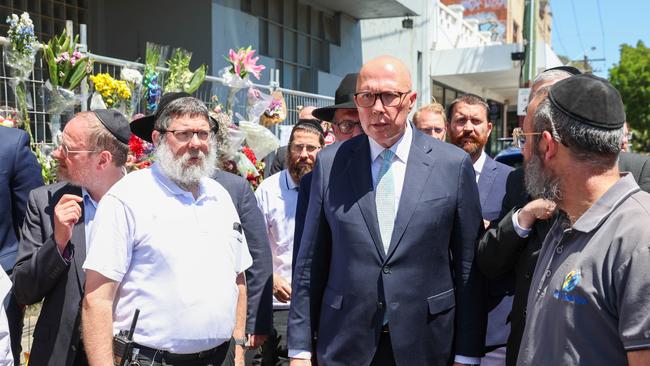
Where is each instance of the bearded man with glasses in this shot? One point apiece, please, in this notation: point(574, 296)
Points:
point(169, 242)
point(55, 234)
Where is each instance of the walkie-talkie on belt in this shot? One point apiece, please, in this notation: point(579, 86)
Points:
point(123, 343)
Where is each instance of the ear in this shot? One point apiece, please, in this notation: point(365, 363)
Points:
point(412, 98)
point(155, 137)
point(105, 159)
point(549, 146)
point(489, 128)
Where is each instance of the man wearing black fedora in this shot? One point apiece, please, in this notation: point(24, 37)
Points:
point(343, 115)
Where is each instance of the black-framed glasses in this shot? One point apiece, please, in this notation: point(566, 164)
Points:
point(347, 126)
point(66, 151)
point(298, 148)
point(519, 137)
point(388, 98)
point(187, 135)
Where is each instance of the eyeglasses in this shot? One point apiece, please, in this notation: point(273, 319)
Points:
point(66, 151)
point(347, 126)
point(187, 135)
point(298, 148)
point(388, 98)
point(431, 130)
point(519, 137)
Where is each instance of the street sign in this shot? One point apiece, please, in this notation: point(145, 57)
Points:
point(522, 101)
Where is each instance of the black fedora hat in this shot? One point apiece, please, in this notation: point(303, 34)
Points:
point(343, 99)
point(143, 126)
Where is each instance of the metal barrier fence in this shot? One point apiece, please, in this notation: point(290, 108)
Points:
point(212, 86)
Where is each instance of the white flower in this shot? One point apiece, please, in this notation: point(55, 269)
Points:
point(131, 75)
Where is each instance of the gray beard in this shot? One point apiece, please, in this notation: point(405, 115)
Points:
point(178, 170)
point(539, 183)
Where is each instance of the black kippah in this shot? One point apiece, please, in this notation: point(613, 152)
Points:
point(309, 122)
point(590, 100)
point(115, 122)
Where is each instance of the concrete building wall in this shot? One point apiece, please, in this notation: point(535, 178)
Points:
point(412, 46)
point(134, 23)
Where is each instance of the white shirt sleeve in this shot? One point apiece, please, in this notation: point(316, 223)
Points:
point(6, 358)
point(299, 354)
point(467, 360)
point(522, 232)
point(111, 239)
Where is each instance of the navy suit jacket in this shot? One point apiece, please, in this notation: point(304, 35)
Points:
point(19, 174)
point(343, 277)
point(259, 277)
point(492, 187)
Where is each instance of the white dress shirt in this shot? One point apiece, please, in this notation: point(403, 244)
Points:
point(277, 197)
point(6, 358)
point(478, 165)
point(176, 258)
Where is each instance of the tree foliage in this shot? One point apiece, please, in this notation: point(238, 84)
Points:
point(631, 76)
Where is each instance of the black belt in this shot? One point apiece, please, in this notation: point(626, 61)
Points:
point(160, 355)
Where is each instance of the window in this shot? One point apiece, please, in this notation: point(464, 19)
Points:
point(297, 36)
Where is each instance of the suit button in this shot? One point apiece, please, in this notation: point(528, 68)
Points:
point(380, 305)
point(386, 270)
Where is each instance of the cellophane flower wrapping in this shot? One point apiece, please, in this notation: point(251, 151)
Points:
point(110, 93)
point(259, 138)
point(180, 78)
point(152, 79)
point(133, 79)
point(242, 63)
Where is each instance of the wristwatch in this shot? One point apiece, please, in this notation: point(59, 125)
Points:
point(241, 341)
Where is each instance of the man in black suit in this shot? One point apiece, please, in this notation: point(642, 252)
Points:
point(19, 174)
point(259, 277)
point(361, 243)
point(91, 159)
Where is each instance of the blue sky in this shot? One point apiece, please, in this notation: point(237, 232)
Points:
point(623, 21)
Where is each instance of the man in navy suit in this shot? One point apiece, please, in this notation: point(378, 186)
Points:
point(19, 174)
point(469, 128)
point(387, 254)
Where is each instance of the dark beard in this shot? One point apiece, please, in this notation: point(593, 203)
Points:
point(540, 183)
point(297, 171)
point(473, 147)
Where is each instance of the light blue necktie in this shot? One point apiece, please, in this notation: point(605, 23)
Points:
point(385, 198)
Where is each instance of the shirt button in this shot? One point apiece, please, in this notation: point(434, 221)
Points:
point(380, 305)
point(547, 273)
point(559, 250)
point(386, 270)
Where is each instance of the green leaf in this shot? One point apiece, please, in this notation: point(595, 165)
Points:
point(78, 72)
point(52, 66)
point(197, 79)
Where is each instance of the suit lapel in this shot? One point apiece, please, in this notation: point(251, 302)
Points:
point(418, 169)
point(360, 177)
point(79, 241)
point(486, 179)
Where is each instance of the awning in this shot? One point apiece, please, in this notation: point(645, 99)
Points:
point(370, 9)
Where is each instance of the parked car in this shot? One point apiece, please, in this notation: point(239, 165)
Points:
point(511, 156)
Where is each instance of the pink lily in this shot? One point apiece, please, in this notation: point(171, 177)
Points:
point(250, 64)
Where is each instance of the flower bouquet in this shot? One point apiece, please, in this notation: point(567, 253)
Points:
point(180, 78)
point(110, 93)
point(155, 57)
point(19, 56)
point(67, 68)
point(8, 118)
point(236, 75)
point(133, 79)
point(140, 154)
point(276, 111)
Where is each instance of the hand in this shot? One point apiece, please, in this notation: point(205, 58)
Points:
point(281, 288)
point(299, 362)
point(539, 209)
point(66, 214)
point(256, 340)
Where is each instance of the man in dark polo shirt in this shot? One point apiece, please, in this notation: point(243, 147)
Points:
point(587, 303)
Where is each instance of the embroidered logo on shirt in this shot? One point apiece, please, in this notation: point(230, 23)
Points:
point(571, 280)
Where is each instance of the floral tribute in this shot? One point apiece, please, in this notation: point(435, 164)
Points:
point(242, 64)
point(114, 93)
point(140, 154)
point(180, 78)
point(155, 57)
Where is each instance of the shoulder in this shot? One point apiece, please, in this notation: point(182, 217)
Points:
point(12, 133)
point(130, 185)
point(233, 183)
point(271, 184)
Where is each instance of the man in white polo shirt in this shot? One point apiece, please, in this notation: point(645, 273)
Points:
point(167, 241)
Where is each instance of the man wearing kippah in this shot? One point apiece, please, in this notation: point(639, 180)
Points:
point(588, 303)
point(57, 225)
point(277, 197)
